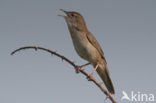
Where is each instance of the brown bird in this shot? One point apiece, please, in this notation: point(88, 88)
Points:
point(87, 46)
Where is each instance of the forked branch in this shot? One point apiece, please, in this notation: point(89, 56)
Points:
point(76, 67)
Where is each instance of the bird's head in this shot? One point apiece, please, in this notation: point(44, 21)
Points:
point(74, 19)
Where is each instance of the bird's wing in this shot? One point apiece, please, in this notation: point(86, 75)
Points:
point(94, 42)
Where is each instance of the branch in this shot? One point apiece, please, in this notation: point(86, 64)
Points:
point(77, 68)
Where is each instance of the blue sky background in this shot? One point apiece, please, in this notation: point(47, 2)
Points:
point(125, 29)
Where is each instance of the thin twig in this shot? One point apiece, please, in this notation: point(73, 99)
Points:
point(77, 68)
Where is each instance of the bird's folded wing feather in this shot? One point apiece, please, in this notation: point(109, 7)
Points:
point(94, 42)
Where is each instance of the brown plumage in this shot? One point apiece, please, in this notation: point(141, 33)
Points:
point(87, 46)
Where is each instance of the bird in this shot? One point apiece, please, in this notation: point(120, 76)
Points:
point(87, 47)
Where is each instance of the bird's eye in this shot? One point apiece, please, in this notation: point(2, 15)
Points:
point(72, 15)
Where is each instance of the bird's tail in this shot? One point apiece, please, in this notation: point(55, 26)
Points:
point(104, 74)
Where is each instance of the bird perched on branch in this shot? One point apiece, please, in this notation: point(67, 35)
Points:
point(87, 46)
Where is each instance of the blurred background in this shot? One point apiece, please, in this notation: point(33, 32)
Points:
point(125, 29)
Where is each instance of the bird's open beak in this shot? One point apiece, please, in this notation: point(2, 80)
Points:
point(64, 16)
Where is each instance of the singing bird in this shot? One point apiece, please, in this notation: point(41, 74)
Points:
point(87, 46)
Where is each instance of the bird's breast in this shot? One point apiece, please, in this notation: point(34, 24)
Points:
point(83, 47)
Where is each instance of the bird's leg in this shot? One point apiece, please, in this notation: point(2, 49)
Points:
point(91, 75)
point(85, 65)
point(78, 68)
point(94, 70)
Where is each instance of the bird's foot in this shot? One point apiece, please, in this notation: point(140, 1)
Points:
point(89, 77)
point(78, 69)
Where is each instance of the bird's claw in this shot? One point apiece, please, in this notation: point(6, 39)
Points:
point(89, 77)
point(78, 69)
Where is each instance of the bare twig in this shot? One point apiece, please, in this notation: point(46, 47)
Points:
point(77, 68)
